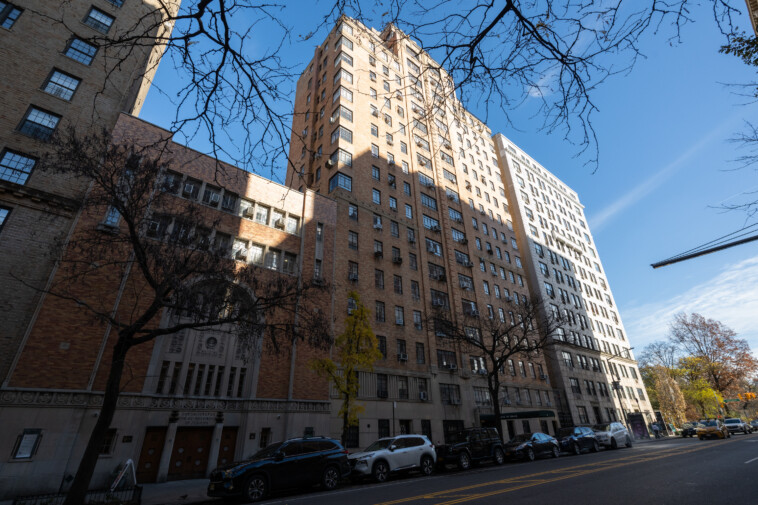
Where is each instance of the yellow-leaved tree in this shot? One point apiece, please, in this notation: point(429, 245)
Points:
point(356, 349)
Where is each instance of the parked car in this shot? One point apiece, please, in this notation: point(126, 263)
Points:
point(577, 439)
point(737, 425)
point(712, 429)
point(469, 446)
point(394, 454)
point(612, 435)
point(294, 463)
point(689, 429)
point(529, 446)
point(754, 424)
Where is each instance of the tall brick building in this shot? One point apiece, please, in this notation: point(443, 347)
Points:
point(54, 78)
point(423, 223)
point(591, 362)
point(193, 399)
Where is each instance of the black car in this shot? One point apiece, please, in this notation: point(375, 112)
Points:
point(529, 446)
point(295, 463)
point(689, 429)
point(577, 439)
point(469, 446)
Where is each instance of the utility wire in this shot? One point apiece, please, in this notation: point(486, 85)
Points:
point(702, 250)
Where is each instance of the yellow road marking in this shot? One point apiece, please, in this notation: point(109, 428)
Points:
point(534, 479)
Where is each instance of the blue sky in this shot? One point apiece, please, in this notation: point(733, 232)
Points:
point(663, 132)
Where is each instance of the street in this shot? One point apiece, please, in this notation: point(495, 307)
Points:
point(670, 471)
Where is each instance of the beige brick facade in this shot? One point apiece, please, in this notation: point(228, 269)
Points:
point(408, 144)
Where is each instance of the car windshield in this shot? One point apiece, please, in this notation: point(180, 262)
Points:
point(524, 437)
point(601, 427)
point(710, 423)
point(267, 452)
point(732, 421)
point(379, 445)
point(565, 432)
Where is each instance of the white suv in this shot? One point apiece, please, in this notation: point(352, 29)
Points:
point(612, 435)
point(736, 425)
point(394, 454)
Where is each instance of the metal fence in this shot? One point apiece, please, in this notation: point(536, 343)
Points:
point(126, 496)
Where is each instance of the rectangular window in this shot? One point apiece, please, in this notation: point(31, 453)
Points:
point(342, 133)
point(61, 84)
point(39, 124)
point(27, 444)
point(342, 92)
point(80, 51)
point(343, 56)
point(341, 156)
point(340, 180)
point(15, 167)
point(3, 216)
point(99, 20)
point(9, 13)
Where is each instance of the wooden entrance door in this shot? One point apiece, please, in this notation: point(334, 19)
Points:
point(189, 458)
point(150, 456)
point(227, 446)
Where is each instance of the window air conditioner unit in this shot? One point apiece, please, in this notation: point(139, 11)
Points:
point(279, 223)
point(418, 143)
point(463, 241)
point(375, 113)
point(391, 162)
point(332, 119)
point(397, 260)
point(482, 371)
point(317, 156)
point(423, 396)
point(411, 240)
point(451, 366)
point(389, 143)
point(152, 228)
point(447, 145)
point(378, 254)
point(543, 377)
point(215, 198)
point(352, 277)
point(489, 251)
point(377, 226)
point(468, 264)
point(241, 254)
point(189, 189)
point(393, 184)
point(305, 132)
point(248, 212)
point(402, 357)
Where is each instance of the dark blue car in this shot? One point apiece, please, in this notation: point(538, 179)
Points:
point(577, 439)
point(298, 462)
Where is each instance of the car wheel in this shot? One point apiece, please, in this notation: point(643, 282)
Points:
point(595, 446)
point(628, 441)
point(331, 478)
point(529, 454)
point(576, 450)
point(381, 471)
point(556, 452)
point(499, 456)
point(464, 461)
point(614, 445)
point(427, 465)
point(255, 488)
point(701, 438)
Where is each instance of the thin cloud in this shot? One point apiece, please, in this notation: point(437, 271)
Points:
point(731, 297)
point(599, 220)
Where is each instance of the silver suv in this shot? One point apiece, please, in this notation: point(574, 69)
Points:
point(736, 425)
point(394, 454)
point(612, 435)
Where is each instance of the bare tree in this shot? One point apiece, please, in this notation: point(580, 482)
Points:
point(525, 332)
point(158, 250)
point(661, 353)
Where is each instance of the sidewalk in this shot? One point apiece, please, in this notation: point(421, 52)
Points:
point(176, 492)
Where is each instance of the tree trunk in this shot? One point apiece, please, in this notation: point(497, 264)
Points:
point(79, 487)
point(494, 387)
point(345, 413)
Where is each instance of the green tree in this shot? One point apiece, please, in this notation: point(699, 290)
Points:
point(670, 398)
point(357, 349)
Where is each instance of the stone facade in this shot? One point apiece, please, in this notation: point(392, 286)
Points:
point(591, 361)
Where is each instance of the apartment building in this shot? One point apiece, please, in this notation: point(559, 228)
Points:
point(191, 400)
point(54, 77)
point(591, 363)
point(423, 224)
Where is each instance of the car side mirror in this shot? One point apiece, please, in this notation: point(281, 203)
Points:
point(392, 448)
point(278, 456)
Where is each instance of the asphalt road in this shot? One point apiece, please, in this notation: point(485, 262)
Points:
point(675, 471)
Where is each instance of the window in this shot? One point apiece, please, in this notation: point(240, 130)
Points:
point(342, 156)
point(376, 196)
point(398, 284)
point(352, 240)
point(9, 13)
point(412, 263)
point(342, 92)
point(352, 212)
point(343, 56)
point(99, 20)
point(428, 201)
point(15, 167)
point(340, 180)
point(399, 316)
point(450, 394)
point(80, 51)
point(39, 124)
point(3, 216)
point(374, 150)
point(27, 444)
point(433, 247)
point(61, 84)
point(379, 312)
point(374, 130)
point(342, 133)
point(379, 279)
point(420, 354)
